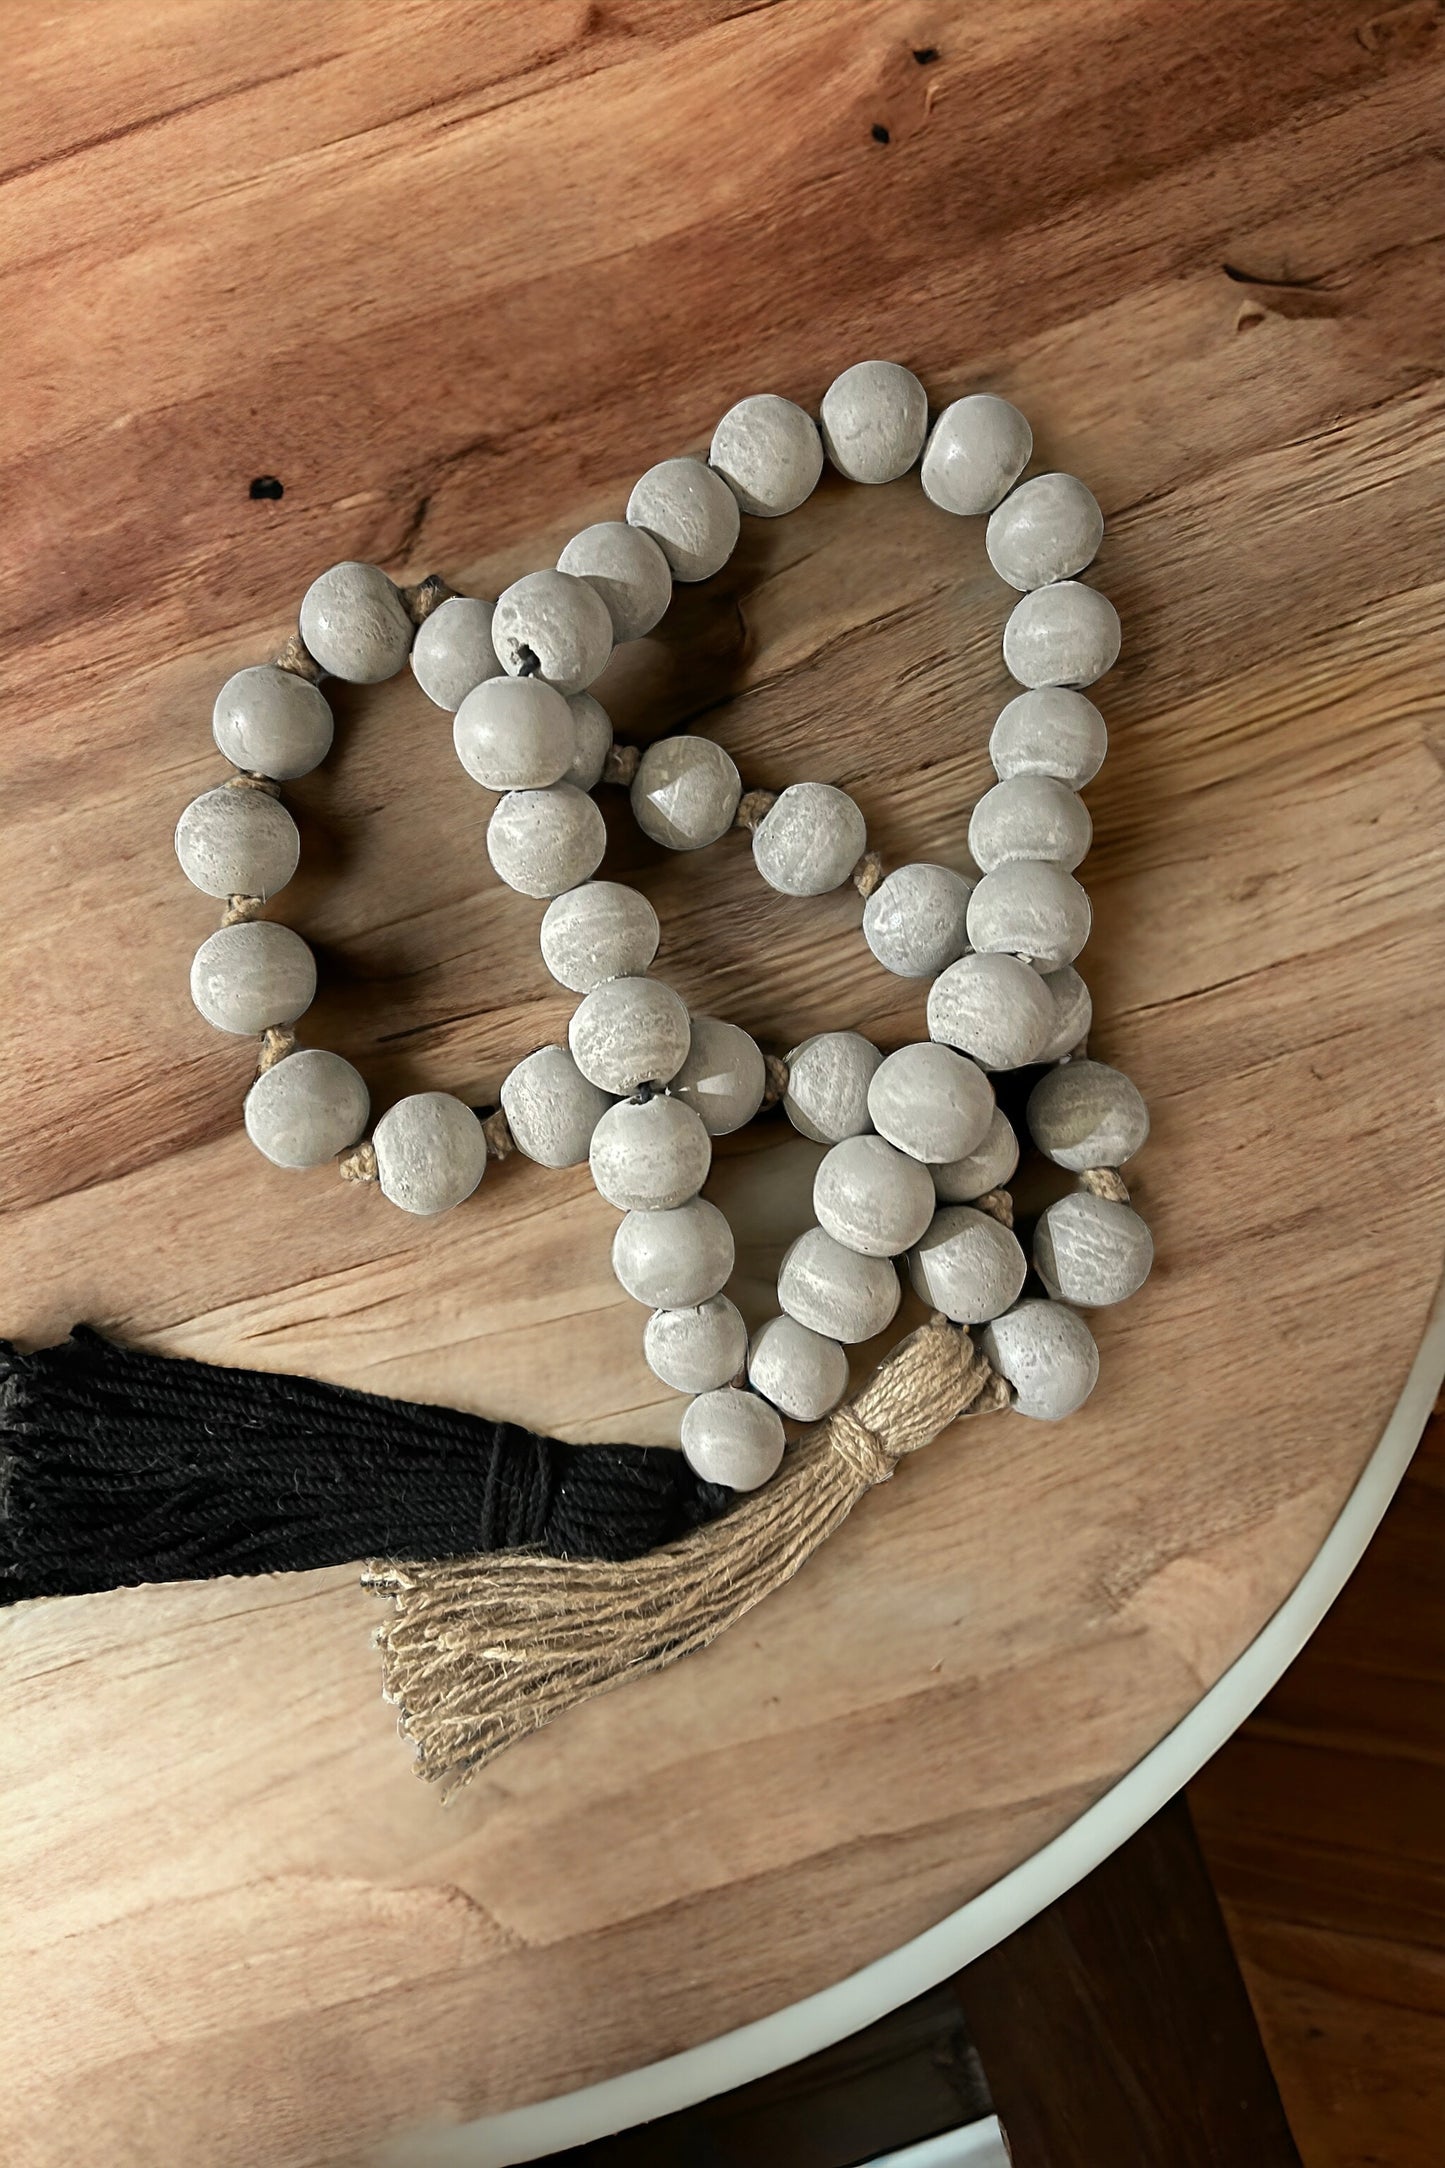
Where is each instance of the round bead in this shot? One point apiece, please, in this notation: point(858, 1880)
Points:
point(1046, 529)
point(809, 840)
point(685, 792)
point(554, 624)
point(723, 1077)
point(543, 842)
point(551, 1108)
point(802, 1373)
point(835, 1291)
point(1067, 634)
point(515, 734)
point(602, 930)
point(628, 1032)
point(732, 1437)
point(690, 513)
point(248, 978)
point(1073, 1013)
point(1092, 1250)
point(453, 652)
point(769, 453)
point(306, 1108)
point(967, 1265)
point(977, 450)
point(828, 1079)
point(916, 921)
point(676, 1259)
point(628, 571)
point(1030, 909)
point(992, 1007)
point(1085, 1114)
point(592, 741)
point(430, 1153)
point(1048, 1355)
point(991, 1165)
point(931, 1103)
point(875, 417)
point(1053, 731)
point(696, 1350)
point(237, 843)
point(268, 721)
point(355, 624)
point(1030, 816)
point(648, 1157)
point(872, 1198)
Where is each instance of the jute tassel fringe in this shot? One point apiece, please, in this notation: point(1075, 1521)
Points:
point(478, 1652)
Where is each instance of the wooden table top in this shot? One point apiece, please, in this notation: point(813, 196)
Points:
point(455, 276)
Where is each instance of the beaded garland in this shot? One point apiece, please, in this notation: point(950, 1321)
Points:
point(919, 1154)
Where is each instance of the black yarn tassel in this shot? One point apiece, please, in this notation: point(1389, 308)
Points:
point(118, 1466)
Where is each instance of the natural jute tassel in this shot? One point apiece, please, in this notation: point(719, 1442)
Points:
point(478, 1652)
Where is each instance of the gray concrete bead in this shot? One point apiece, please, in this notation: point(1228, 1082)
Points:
point(543, 842)
point(1067, 634)
point(268, 721)
point(967, 1265)
point(691, 515)
point(430, 1153)
point(871, 1197)
point(355, 623)
point(551, 1108)
point(809, 840)
point(976, 451)
point(1085, 1114)
point(592, 739)
point(1030, 909)
point(993, 1008)
point(556, 624)
point(1029, 816)
point(1051, 731)
point(769, 453)
point(453, 652)
point(828, 1079)
point(306, 1109)
point(648, 1157)
point(676, 1259)
point(931, 1103)
point(685, 792)
point(515, 734)
point(247, 978)
point(237, 843)
point(602, 930)
point(874, 417)
point(916, 920)
point(1047, 529)
point(1073, 1013)
point(804, 1374)
point(628, 571)
point(732, 1437)
point(836, 1291)
point(723, 1077)
point(1091, 1250)
point(628, 1032)
point(1047, 1353)
point(992, 1165)
point(696, 1350)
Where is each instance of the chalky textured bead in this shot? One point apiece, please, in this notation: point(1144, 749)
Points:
point(802, 1373)
point(430, 1153)
point(993, 1008)
point(592, 741)
point(769, 453)
point(676, 1259)
point(1029, 816)
point(690, 513)
point(685, 792)
point(732, 1437)
point(696, 1350)
point(874, 419)
point(723, 1077)
point(268, 721)
point(976, 450)
point(967, 1265)
point(916, 920)
point(871, 1197)
point(237, 843)
point(551, 1108)
point(1048, 1355)
point(251, 977)
point(355, 624)
point(543, 842)
point(648, 1157)
point(1051, 731)
point(1046, 529)
point(990, 1166)
point(1030, 909)
point(602, 930)
point(628, 571)
point(809, 840)
point(1067, 634)
point(1085, 1114)
point(836, 1291)
point(515, 734)
point(1092, 1251)
point(931, 1103)
point(553, 623)
point(628, 1032)
point(306, 1108)
point(828, 1079)
point(1073, 1013)
point(453, 652)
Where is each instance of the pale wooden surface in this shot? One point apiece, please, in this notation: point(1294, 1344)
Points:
point(456, 276)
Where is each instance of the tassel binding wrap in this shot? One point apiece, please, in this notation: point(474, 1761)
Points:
point(478, 1652)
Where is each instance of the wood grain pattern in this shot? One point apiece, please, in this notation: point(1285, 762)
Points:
point(456, 276)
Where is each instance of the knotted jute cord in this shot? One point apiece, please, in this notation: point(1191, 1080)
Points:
point(1105, 1182)
point(478, 1652)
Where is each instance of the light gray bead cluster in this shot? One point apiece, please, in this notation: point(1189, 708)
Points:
point(237, 843)
point(1046, 529)
point(1085, 1114)
point(1029, 816)
point(1048, 1355)
point(1092, 1250)
point(769, 453)
point(1051, 731)
point(648, 1156)
point(828, 1079)
point(1073, 1013)
point(601, 930)
point(551, 1108)
point(355, 623)
point(306, 1109)
point(1030, 909)
point(628, 571)
point(993, 1008)
point(916, 920)
point(804, 1374)
point(809, 840)
point(871, 1197)
point(453, 653)
point(931, 1102)
point(674, 1259)
point(977, 449)
point(628, 1032)
point(514, 733)
point(723, 1076)
point(543, 842)
point(592, 735)
point(696, 1350)
point(1066, 634)
point(731, 1436)
point(430, 1153)
point(268, 721)
point(251, 978)
point(991, 1165)
point(967, 1265)
point(837, 1292)
point(554, 625)
point(874, 418)
point(685, 792)
point(691, 515)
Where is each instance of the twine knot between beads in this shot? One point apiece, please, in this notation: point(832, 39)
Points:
point(276, 1044)
point(754, 806)
point(621, 764)
point(359, 1164)
point(1105, 1182)
point(497, 1130)
point(868, 873)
